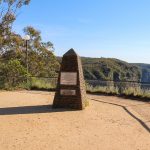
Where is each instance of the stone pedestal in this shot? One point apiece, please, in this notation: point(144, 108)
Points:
point(71, 92)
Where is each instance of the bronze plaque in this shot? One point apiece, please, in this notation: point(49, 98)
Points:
point(68, 92)
point(68, 78)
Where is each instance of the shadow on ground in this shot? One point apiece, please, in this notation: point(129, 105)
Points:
point(49, 109)
point(30, 110)
point(131, 114)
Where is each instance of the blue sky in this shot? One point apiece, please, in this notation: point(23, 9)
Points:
point(94, 28)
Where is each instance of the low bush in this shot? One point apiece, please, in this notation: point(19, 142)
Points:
point(126, 91)
point(12, 74)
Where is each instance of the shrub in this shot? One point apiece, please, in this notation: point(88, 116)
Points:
point(127, 91)
point(12, 74)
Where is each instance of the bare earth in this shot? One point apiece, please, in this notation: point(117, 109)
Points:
point(27, 122)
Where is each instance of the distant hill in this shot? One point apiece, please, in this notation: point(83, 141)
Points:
point(109, 69)
point(145, 69)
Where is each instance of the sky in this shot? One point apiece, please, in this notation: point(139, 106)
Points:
point(94, 28)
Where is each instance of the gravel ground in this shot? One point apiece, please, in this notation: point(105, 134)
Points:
point(27, 122)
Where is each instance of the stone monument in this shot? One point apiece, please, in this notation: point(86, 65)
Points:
point(70, 92)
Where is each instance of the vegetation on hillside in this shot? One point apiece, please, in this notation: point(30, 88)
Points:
point(110, 69)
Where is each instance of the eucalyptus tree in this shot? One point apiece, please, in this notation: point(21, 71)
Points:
point(8, 14)
point(42, 61)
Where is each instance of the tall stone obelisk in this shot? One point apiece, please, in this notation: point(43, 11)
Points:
point(71, 90)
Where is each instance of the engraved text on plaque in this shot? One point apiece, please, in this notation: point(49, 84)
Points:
point(68, 92)
point(68, 78)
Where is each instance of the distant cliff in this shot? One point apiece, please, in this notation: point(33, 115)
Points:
point(145, 72)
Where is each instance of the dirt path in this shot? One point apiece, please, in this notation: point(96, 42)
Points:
point(27, 122)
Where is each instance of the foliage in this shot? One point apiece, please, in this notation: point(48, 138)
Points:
point(8, 14)
point(12, 74)
point(41, 60)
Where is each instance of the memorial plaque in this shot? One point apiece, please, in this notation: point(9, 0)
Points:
point(68, 78)
point(67, 92)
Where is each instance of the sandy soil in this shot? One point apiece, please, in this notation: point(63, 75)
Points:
point(27, 122)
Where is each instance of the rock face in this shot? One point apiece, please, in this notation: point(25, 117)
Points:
point(70, 92)
point(145, 72)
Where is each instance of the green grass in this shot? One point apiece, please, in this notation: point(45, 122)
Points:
point(102, 89)
point(126, 91)
point(33, 83)
point(42, 83)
